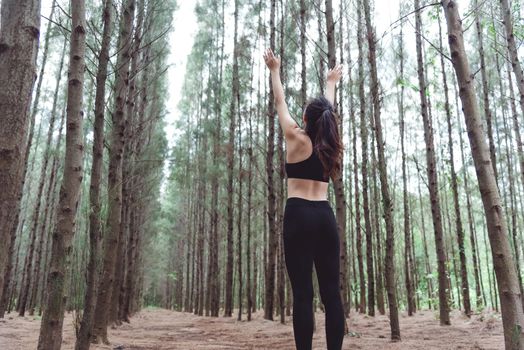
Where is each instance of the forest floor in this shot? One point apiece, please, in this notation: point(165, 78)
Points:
point(164, 329)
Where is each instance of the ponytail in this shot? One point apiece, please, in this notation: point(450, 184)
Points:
point(322, 128)
point(327, 142)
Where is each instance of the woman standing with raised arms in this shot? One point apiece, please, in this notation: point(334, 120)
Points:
point(313, 155)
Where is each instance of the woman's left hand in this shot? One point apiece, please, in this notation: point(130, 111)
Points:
point(334, 74)
point(272, 62)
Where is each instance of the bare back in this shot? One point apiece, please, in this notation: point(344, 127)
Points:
point(298, 149)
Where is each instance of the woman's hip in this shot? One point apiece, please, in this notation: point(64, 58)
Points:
point(307, 203)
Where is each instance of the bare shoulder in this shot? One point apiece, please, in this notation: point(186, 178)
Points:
point(300, 137)
point(298, 147)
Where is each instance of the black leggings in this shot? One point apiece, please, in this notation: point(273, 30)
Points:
point(311, 236)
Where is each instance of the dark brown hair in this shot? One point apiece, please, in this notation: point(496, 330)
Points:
point(322, 128)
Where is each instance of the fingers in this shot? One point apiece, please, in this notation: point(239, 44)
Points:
point(336, 70)
point(272, 62)
point(268, 54)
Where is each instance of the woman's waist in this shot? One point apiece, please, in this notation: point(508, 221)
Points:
point(307, 189)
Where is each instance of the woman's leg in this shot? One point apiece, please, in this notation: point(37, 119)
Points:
point(327, 265)
point(299, 264)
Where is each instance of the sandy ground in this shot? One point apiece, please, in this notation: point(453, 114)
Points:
point(163, 329)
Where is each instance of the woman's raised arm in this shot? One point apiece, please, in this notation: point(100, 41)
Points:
point(332, 79)
point(288, 125)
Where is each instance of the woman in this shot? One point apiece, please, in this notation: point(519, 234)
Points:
point(313, 155)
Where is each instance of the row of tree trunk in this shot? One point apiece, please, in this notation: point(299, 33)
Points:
point(41, 259)
point(376, 266)
point(113, 265)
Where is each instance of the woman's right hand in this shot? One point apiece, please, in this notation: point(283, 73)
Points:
point(272, 62)
point(334, 74)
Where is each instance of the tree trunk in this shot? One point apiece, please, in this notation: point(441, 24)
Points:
point(481, 296)
point(271, 210)
point(281, 275)
point(249, 296)
point(386, 199)
point(105, 288)
point(362, 98)
point(432, 179)
point(408, 272)
point(139, 140)
point(321, 52)
point(199, 211)
point(228, 308)
point(52, 217)
point(24, 291)
point(510, 298)
point(516, 127)
point(367, 219)
point(513, 228)
point(344, 259)
point(379, 261)
point(34, 109)
point(239, 210)
point(19, 40)
point(213, 252)
point(349, 263)
point(454, 186)
point(303, 74)
point(131, 193)
point(48, 203)
point(507, 19)
point(52, 321)
point(338, 182)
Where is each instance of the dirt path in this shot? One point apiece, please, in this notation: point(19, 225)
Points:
point(163, 329)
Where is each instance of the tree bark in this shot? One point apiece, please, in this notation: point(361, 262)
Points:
point(51, 327)
point(28, 274)
point(281, 275)
point(513, 228)
point(353, 172)
point(249, 295)
point(303, 74)
point(239, 216)
point(117, 141)
point(408, 272)
point(344, 258)
point(95, 224)
point(516, 124)
point(271, 200)
point(48, 203)
point(367, 219)
point(52, 217)
point(228, 308)
point(507, 19)
point(481, 296)
point(19, 40)
point(321, 52)
point(338, 181)
point(139, 139)
point(386, 198)
point(214, 270)
point(34, 109)
point(362, 98)
point(431, 168)
point(464, 285)
point(510, 298)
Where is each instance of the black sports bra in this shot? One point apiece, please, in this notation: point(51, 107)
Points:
point(310, 168)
